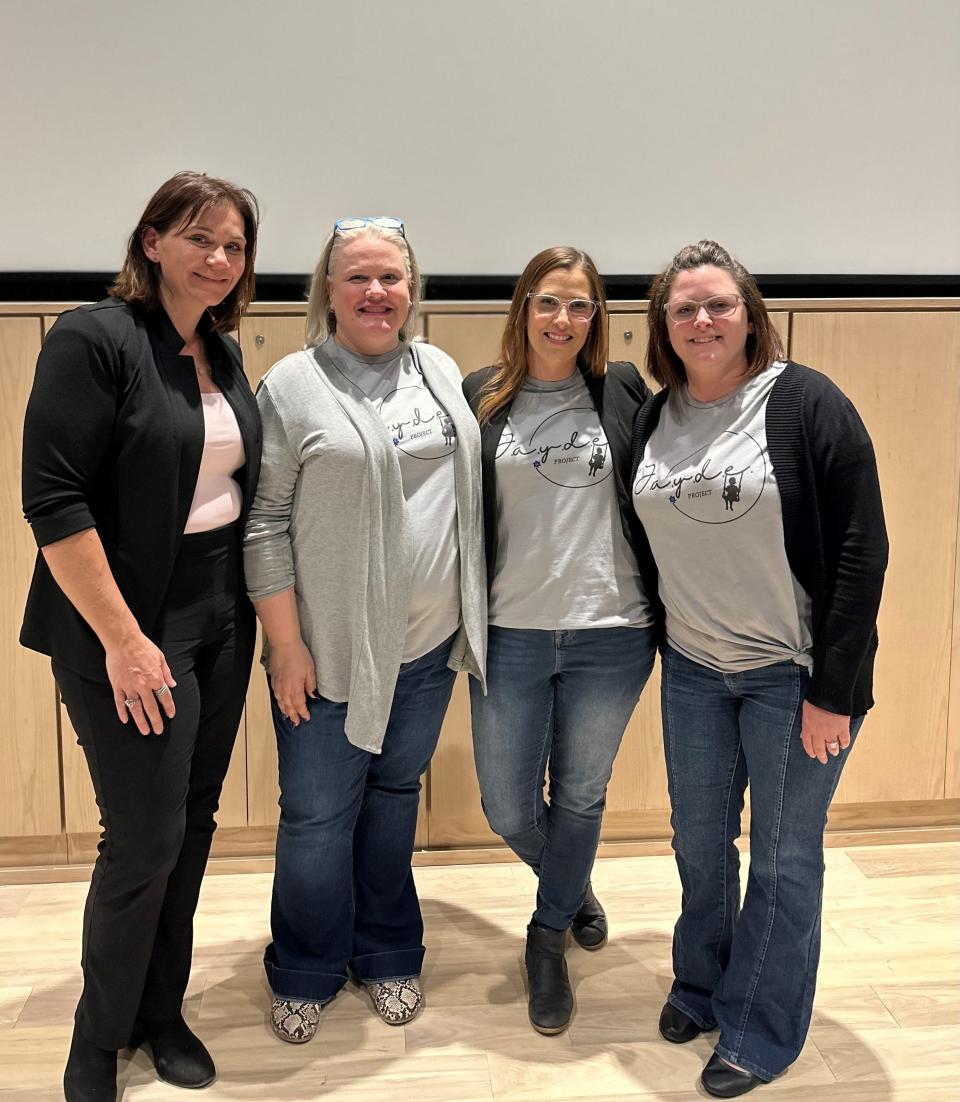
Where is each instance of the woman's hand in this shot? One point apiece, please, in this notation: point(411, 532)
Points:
point(136, 668)
point(141, 681)
point(823, 732)
point(293, 678)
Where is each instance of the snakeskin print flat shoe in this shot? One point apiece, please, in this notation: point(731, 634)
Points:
point(295, 1022)
point(396, 1001)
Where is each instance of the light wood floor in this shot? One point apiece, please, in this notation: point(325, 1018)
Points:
point(886, 1023)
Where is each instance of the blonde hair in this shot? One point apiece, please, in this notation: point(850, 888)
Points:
point(321, 320)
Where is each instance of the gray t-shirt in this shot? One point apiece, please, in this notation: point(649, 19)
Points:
point(425, 441)
point(562, 562)
point(707, 495)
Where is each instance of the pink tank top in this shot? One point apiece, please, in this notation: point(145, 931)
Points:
point(217, 498)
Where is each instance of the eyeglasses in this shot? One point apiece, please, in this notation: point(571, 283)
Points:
point(578, 309)
point(384, 221)
point(686, 309)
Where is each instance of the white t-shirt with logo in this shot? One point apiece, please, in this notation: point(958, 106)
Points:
point(563, 562)
point(425, 440)
point(707, 495)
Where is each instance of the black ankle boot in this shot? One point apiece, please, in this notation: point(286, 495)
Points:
point(589, 926)
point(178, 1053)
point(548, 988)
point(91, 1072)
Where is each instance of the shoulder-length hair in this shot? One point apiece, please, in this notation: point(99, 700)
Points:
point(511, 368)
point(321, 320)
point(175, 204)
point(763, 344)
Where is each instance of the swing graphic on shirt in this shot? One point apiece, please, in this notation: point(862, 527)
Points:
point(717, 484)
point(561, 452)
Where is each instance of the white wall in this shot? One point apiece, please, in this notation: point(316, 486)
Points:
point(807, 136)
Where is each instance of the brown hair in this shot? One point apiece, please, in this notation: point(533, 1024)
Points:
point(175, 204)
point(321, 320)
point(511, 368)
point(763, 344)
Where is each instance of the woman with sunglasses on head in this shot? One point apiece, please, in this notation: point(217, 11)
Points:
point(757, 485)
point(365, 565)
point(140, 458)
point(570, 642)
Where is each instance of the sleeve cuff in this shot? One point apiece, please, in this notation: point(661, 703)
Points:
point(67, 522)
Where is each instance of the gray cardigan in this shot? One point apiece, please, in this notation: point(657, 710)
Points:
point(329, 520)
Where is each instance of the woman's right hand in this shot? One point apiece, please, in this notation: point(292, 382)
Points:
point(293, 678)
point(141, 681)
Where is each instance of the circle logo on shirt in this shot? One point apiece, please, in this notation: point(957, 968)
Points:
point(419, 425)
point(561, 453)
point(707, 489)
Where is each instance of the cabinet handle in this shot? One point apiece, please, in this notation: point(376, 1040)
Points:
point(628, 334)
point(259, 340)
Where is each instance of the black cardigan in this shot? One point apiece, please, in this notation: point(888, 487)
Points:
point(833, 528)
point(112, 440)
point(617, 395)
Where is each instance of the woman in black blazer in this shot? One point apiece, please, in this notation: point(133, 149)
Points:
point(571, 642)
point(141, 455)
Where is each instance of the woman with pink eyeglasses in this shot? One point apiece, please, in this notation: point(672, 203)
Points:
point(571, 642)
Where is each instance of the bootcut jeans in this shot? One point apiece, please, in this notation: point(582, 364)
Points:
point(344, 898)
point(752, 971)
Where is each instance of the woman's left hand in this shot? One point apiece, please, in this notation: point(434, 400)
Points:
point(823, 732)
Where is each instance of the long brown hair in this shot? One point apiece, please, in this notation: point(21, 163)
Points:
point(511, 368)
point(763, 344)
point(176, 203)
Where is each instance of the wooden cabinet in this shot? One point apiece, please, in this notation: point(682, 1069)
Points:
point(627, 334)
point(29, 756)
point(264, 340)
point(473, 340)
point(900, 367)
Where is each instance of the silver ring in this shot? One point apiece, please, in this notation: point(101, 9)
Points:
point(130, 701)
point(833, 744)
point(162, 691)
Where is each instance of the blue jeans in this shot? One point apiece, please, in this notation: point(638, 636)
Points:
point(562, 697)
point(750, 972)
point(343, 890)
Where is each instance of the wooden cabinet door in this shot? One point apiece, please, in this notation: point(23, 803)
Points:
point(29, 759)
point(268, 338)
point(628, 341)
point(901, 370)
point(264, 340)
point(473, 340)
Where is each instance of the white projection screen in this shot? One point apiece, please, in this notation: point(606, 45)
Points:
point(810, 136)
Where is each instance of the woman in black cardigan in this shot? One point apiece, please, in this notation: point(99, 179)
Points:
point(757, 486)
point(571, 641)
point(141, 455)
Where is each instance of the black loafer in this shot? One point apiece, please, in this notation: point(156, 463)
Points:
point(180, 1057)
point(677, 1027)
point(589, 925)
point(722, 1081)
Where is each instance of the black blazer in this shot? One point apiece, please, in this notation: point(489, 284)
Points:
point(113, 438)
point(617, 396)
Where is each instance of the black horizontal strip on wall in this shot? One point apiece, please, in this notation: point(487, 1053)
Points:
point(91, 286)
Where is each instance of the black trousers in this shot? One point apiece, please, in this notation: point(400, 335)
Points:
point(157, 795)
